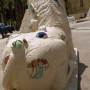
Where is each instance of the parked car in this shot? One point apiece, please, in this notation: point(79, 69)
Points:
point(5, 29)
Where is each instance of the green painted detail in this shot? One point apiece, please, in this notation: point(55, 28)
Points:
point(37, 68)
point(39, 72)
point(17, 44)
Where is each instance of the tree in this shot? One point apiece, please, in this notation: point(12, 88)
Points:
point(20, 6)
point(3, 18)
point(12, 10)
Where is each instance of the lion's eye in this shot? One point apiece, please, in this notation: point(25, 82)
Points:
point(41, 35)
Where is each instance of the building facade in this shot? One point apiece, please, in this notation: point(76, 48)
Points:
point(77, 6)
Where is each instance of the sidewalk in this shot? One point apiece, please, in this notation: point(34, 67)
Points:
point(82, 26)
point(81, 40)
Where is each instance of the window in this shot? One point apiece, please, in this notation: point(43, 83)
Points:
point(81, 3)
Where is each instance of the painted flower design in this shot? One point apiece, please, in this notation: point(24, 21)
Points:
point(36, 68)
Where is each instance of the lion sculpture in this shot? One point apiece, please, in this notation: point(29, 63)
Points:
point(41, 59)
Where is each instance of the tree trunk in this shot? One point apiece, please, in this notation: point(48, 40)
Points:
point(11, 15)
point(17, 13)
point(0, 16)
point(3, 13)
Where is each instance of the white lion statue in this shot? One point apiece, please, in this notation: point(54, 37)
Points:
point(41, 59)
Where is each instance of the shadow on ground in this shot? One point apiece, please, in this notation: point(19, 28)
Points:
point(82, 68)
point(5, 36)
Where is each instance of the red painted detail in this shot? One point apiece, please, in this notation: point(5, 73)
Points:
point(6, 59)
point(24, 40)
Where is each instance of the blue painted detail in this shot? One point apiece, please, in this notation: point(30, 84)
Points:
point(37, 68)
point(39, 72)
point(41, 34)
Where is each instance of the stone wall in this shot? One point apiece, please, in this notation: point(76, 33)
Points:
point(75, 6)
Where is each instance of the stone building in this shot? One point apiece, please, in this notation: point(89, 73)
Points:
point(80, 7)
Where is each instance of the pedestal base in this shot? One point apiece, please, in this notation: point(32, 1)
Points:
point(73, 81)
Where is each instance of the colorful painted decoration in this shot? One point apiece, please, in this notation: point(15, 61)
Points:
point(37, 67)
point(32, 22)
point(41, 35)
point(63, 37)
point(43, 27)
point(6, 59)
point(25, 41)
point(17, 44)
